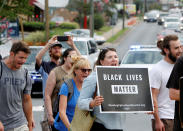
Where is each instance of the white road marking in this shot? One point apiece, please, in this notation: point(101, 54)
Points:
point(37, 108)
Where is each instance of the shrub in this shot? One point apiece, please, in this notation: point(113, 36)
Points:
point(98, 21)
point(35, 26)
point(34, 37)
point(69, 25)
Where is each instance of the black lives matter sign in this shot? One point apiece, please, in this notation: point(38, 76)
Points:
point(124, 89)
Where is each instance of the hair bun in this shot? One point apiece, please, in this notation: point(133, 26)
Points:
point(75, 58)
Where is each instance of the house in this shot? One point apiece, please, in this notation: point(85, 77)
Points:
point(39, 7)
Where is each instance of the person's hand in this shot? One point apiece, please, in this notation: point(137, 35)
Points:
point(159, 126)
point(52, 40)
point(150, 113)
point(70, 41)
point(1, 127)
point(33, 123)
point(97, 101)
point(50, 120)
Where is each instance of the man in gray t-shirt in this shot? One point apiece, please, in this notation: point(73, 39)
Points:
point(15, 89)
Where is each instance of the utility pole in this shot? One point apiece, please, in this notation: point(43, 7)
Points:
point(47, 32)
point(91, 18)
point(145, 6)
point(123, 14)
point(85, 17)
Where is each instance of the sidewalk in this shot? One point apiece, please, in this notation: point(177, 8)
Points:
point(128, 23)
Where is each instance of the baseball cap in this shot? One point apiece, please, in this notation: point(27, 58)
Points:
point(56, 44)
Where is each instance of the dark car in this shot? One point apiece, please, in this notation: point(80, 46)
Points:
point(35, 76)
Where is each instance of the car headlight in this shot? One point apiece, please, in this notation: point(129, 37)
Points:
point(145, 17)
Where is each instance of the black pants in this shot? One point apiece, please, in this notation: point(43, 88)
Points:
point(99, 127)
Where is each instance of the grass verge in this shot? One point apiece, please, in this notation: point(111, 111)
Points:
point(117, 35)
point(103, 30)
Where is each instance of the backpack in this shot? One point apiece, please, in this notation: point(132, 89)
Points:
point(69, 84)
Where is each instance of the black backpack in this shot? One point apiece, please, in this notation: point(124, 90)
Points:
point(69, 84)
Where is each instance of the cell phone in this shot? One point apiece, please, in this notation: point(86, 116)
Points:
point(62, 38)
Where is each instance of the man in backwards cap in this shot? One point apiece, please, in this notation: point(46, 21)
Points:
point(55, 52)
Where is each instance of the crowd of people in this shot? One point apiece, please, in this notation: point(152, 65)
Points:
point(71, 81)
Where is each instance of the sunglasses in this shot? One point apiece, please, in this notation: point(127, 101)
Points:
point(86, 70)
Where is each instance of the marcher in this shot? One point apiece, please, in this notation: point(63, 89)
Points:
point(1, 126)
point(174, 91)
point(55, 80)
point(104, 121)
point(55, 52)
point(15, 89)
point(159, 75)
point(80, 70)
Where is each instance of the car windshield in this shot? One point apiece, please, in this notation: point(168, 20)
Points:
point(31, 60)
point(172, 26)
point(81, 46)
point(142, 57)
point(172, 20)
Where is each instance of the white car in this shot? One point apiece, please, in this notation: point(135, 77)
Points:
point(85, 33)
point(141, 56)
point(86, 46)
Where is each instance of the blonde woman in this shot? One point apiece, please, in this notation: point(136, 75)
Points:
point(80, 70)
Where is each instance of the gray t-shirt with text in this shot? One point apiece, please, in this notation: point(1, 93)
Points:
point(13, 84)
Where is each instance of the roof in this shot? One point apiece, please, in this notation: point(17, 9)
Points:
point(54, 3)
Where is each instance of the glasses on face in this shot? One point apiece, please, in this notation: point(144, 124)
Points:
point(85, 70)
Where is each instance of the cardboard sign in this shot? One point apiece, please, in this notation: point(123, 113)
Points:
point(125, 90)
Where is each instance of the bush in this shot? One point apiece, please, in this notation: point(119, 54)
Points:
point(98, 21)
point(35, 26)
point(69, 25)
point(34, 37)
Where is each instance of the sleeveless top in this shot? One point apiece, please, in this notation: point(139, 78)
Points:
point(60, 75)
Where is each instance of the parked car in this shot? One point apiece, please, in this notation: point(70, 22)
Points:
point(143, 56)
point(86, 33)
point(161, 18)
point(86, 46)
point(57, 19)
point(35, 76)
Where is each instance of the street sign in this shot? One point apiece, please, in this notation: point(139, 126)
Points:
point(125, 90)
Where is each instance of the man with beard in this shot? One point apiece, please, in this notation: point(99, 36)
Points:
point(159, 75)
point(55, 53)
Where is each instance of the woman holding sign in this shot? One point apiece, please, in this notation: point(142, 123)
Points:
point(104, 121)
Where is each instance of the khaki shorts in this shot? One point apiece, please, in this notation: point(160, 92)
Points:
point(168, 123)
point(20, 128)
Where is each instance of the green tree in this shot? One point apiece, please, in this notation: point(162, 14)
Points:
point(12, 8)
point(81, 7)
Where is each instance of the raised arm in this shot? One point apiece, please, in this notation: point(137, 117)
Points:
point(72, 45)
point(42, 52)
point(50, 85)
